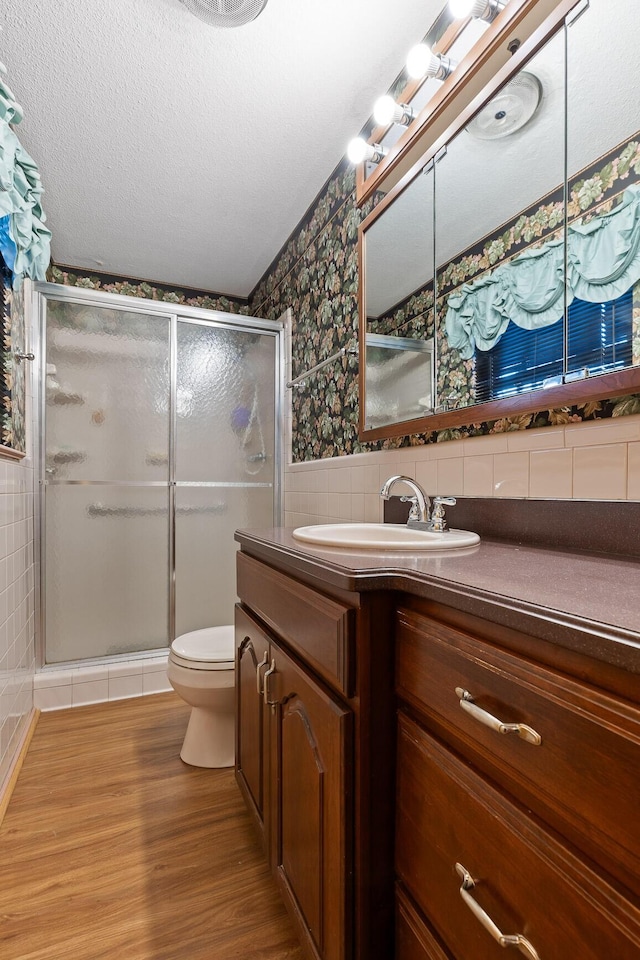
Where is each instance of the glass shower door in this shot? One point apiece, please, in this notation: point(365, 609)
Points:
point(106, 481)
point(224, 450)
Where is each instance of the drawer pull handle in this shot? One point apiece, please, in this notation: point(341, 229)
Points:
point(521, 729)
point(263, 663)
point(272, 669)
point(505, 940)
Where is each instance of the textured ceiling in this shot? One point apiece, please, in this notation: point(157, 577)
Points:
point(177, 152)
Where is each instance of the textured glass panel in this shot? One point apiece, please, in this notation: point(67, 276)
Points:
point(206, 519)
point(224, 404)
point(107, 570)
point(107, 394)
point(399, 381)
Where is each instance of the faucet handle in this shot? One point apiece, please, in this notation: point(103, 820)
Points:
point(438, 522)
point(414, 512)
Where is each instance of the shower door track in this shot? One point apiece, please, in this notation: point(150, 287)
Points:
point(191, 315)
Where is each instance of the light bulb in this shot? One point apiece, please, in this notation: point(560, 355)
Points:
point(462, 8)
point(486, 10)
point(359, 150)
point(421, 61)
point(384, 110)
point(387, 111)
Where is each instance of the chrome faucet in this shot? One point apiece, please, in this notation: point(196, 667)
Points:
point(420, 503)
point(420, 515)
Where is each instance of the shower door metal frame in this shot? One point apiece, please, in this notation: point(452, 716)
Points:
point(194, 315)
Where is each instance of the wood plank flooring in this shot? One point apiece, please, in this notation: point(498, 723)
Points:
point(113, 848)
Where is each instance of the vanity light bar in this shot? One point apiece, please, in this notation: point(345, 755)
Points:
point(422, 62)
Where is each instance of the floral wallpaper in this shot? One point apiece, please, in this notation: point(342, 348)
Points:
point(12, 378)
point(316, 275)
point(74, 277)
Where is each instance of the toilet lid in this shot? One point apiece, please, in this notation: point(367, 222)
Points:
point(212, 648)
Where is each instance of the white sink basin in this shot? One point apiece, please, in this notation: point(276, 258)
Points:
point(383, 536)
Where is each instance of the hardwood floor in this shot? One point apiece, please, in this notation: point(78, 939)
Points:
point(113, 848)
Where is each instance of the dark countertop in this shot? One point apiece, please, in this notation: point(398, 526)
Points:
point(589, 603)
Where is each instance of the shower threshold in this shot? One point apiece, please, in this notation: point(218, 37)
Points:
point(79, 682)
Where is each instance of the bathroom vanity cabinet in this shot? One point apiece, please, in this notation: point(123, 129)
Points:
point(432, 767)
point(539, 822)
point(309, 760)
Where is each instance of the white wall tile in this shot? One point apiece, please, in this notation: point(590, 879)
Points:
point(17, 624)
point(543, 438)
point(478, 476)
point(511, 475)
point(427, 475)
point(451, 477)
point(483, 446)
point(633, 487)
point(54, 698)
point(340, 480)
point(126, 668)
point(600, 472)
point(94, 691)
point(121, 687)
point(551, 474)
point(155, 682)
point(611, 430)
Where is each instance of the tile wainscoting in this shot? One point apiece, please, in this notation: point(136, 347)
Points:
point(17, 600)
point(599, 460)
point(57, 689)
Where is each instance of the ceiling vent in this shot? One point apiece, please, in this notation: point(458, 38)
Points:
point(509, 111)
point(225, 13)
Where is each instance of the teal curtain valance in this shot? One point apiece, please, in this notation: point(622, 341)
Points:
point(25, 242)
point(603, 261)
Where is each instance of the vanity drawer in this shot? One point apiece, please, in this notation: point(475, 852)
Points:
point(582, 777)
point(527, 883)
point(414, 940)
point(318, 628)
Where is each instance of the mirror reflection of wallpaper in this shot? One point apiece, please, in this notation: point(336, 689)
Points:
point(594, 192)
point(316, 274)
point(12, 426)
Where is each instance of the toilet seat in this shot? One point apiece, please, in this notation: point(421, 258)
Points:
point(209, 649)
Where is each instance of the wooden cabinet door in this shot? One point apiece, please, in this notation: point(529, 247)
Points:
point(252, 655)
point(311, 771)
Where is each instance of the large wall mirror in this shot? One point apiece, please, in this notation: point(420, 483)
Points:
point(513, 258)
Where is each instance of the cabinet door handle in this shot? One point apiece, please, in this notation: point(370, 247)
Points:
point(263, 663)
point(265, 691)
point(483, 716)
point(505, 940)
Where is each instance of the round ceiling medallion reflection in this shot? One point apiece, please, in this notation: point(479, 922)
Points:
point(510, 109)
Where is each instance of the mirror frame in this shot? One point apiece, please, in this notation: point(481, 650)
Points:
point(600, 387)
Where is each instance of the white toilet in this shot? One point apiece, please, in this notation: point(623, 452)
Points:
point(201, 671)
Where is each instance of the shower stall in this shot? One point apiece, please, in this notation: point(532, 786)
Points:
point(159, 437)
